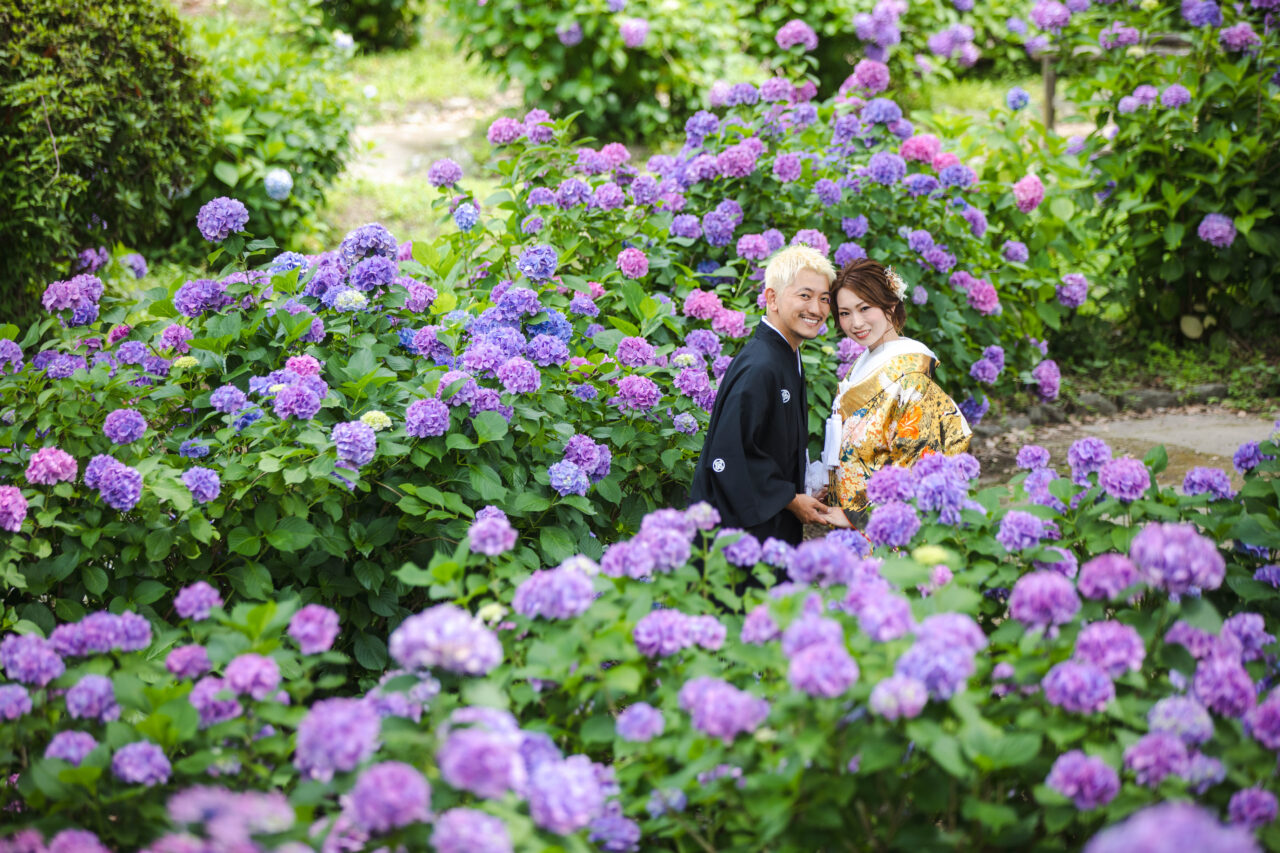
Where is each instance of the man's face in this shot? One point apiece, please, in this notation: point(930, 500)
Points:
point(800, 312)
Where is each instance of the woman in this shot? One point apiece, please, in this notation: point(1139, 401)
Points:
point(887, 410)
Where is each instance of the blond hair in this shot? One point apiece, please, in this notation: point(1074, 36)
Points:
point(784, 266)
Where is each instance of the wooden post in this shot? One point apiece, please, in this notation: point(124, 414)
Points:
point(1050, 84)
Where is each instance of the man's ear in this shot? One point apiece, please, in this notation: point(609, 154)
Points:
point(770, 296)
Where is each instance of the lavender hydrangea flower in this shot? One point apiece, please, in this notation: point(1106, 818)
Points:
point(93, 697)
point(1217, 230)
point(1113, 647)
point(640, 723)
point(893, 524)
point(188, 661)
point(1043, 599)
point(15, 702)
point(256, 675)
point(565, 795)
point(1224, 686)
point(561, 593)
point(71, 747)
point(1170, 827)
point(483, 759)
point(492, 535)
point(13, 508)
point(221, 217)
point(355, 443)
point(899, 696)
point(1088, 780)
point(365, 241)
point(1154, 756)
point(390, 795)
point(314, 628)
point(1078, 688)
point(448, 637)
point(1182, 716)
point(203, 483)
point(942, 667)
point(1125, 479)
point(823, 669)
point(1252, 808)
point(196, 601)
point(884, 617)
point(1176, 558)
point(719, 709)
point(796, 33)
point(463, 830)
point(1248, 630)
point(30, 659)
point(1015, 252)
point(335, 735)
point(1211, 481)
point(1073, 291)
point(1032, 456)
point(141, 763)
point(1020, 530)
point(51, 465)
point(1087, 456)
point(124, 426)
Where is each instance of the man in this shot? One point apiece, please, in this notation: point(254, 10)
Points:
point(752, 465)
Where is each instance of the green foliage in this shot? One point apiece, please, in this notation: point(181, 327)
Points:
point(377, 24)
point(105, 116)
point(281, 104)
point(620, 92)
point(1165, 169)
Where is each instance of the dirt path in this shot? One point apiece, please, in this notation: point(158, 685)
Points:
point(1192, 436)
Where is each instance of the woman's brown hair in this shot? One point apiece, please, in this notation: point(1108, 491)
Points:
point(867, 279)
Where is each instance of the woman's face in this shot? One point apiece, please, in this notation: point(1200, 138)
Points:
point(862, 321)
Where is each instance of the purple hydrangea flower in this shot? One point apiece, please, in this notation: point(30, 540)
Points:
point(30, 659)
point(15, 702)
point(1182, 716)
point(719, 709)
point(1073, 291)
point(124, 426)
point(336, 735)
point(1217, 230)
point(463, 830)
point(1088, 780)
point(314, 628)
point(1224, 686)
point(188, 661)
point(389, 795)
point(492, 535)
point(221, 217)
point(538, 262)
point(1154, 756)
point(823, 669)
point(1176, 558)
point(141, 763)
point(1125, 479)
point(1211, 481)
point(899, 696)
point(196, 601)
point(50, 465)
point(203, 483)
point(1113, 647)
point(1020, 530)
point(561, 593)
point(93, 698)
point(1043, 599)
point(640, 723)
point(796, 33)
point(893, 524)
point(565, 795)
point(1171, 827)
point(448, 637)
point(1079, 688)
point(1239, 37)
point(355, 443)
point(256, 675)
point(444, 173)
point(1252, 808)
point(71, 747)
point(1087, 456)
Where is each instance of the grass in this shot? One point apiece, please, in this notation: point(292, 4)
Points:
point(977, 97)
point(427, 75)
point(1251, 372)
point(405, 208)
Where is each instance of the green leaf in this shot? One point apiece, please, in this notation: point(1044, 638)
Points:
point(291, 534)
point(557, 544)
point(490, 426)
point(95, 579)
point(370, 651)
point(226, 172)
point(241, 541)
point(1199, 613)
point(1157, 459)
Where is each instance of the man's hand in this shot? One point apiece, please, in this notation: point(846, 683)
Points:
point(808, 509)
point(835, 517)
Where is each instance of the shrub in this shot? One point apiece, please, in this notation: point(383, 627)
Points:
point(569, 60)
point(894, 694)
point(105, 116)
point(1183, 149)
point(377, 24)
point(282, 122)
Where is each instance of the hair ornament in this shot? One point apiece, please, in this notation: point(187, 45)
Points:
point(896, 284)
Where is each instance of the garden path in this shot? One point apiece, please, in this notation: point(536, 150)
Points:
point(1192, 436)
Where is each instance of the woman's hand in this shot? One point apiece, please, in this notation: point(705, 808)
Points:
point(835, 517)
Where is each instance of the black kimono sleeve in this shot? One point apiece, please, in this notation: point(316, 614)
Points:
point(745, 462)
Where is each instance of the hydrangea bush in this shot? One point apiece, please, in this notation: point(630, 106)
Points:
point(1184, 98)
point(1107, 672)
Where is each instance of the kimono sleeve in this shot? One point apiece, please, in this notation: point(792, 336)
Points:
point(924, 420)
point(744, 455)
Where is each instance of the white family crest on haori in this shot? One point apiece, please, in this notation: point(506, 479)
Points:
point(786, 396)
point(717, 465)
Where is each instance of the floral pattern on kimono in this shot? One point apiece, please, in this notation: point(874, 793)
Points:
point(895, 416)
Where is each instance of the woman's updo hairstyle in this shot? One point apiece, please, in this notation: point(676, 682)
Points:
point(869, 280)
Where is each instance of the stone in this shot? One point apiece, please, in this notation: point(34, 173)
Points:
point(1015, 422)
point(1041, 414)
point(1145, 399)
point(1207, 391)
point(1095, 404)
